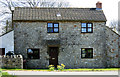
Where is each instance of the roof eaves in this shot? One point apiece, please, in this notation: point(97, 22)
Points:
point(57, 20)
point(112, 30)
point(6, 33)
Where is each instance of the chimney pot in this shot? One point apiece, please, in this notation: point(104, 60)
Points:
point(99, 5)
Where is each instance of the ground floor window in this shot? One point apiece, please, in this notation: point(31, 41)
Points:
point(2, 51)
point(33, 53)
point(86, 52)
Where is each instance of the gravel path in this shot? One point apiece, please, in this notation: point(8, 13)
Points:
point(62, 73)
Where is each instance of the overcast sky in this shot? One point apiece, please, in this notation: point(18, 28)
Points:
point(110, 7)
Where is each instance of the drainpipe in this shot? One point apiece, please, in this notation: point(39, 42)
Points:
point(12, 20)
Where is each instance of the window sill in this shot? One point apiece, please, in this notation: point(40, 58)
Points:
point(87, 58)
point(32, 59)
point(52, 32)
point(86, 32)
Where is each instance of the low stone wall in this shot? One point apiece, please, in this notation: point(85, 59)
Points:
point(14, 61)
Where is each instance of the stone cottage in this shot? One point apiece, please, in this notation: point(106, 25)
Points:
point(76, 37)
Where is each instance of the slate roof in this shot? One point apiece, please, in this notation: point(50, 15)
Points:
point(45, 14)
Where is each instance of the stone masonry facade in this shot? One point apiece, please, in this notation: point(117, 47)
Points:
point(112, 48)
point(11, 62)
point(70, 40)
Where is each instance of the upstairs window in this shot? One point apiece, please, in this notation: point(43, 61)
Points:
point(33, 53)
point(86, 52)
point(53, 28)
point(86, 28)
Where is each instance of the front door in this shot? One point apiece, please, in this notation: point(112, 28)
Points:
point(2, 51)
point(53, 54)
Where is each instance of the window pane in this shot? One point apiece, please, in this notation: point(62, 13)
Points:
point(83, 29)
point(89, 25)
point(30, 56)
point(33, 53)
point(36, 54)
point(30, 51)
point(87, 53)
point(83, 24)
point(55, 29)
point(83, 51)
point(55, 25)
point(89, 50)
point(50, 30)
point(50, 25)
point(89, 29)
point(83, 55)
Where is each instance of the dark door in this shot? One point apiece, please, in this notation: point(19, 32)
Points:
point(53, 54)
point(2, 51)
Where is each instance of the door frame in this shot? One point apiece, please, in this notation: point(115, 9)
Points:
point(48, 47)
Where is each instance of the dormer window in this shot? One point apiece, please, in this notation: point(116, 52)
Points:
point(53, 28)
point(86, 28)
point(58, 15)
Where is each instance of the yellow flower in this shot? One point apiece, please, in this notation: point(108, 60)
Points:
point(51, 66)
point(58, 65)
point(63, 65)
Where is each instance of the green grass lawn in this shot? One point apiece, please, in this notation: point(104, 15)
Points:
point(72, 70)
point(97, 69)
point(5, 74)
point(25, 69)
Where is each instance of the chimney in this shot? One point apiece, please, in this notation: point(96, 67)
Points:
point(98, 5)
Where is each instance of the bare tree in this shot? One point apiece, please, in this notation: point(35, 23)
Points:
point(114, 25)
point(6, 13)
point(44, 3)
point(118, 26)
point(7, 27)
point(8, 5)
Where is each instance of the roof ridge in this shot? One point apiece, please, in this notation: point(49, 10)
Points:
point(56, 7)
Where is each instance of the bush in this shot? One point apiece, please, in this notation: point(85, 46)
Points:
point(60, 67)
point(51, 67)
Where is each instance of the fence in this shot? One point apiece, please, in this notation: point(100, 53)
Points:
point(13, 61)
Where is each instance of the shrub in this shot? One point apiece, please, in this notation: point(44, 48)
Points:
point(60, 67)
point(51, 67)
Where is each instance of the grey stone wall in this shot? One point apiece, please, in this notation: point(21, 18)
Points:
point(0, 61)
point(71, 40)
point(112, 48)
point(119, 51)
point(15, 61)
